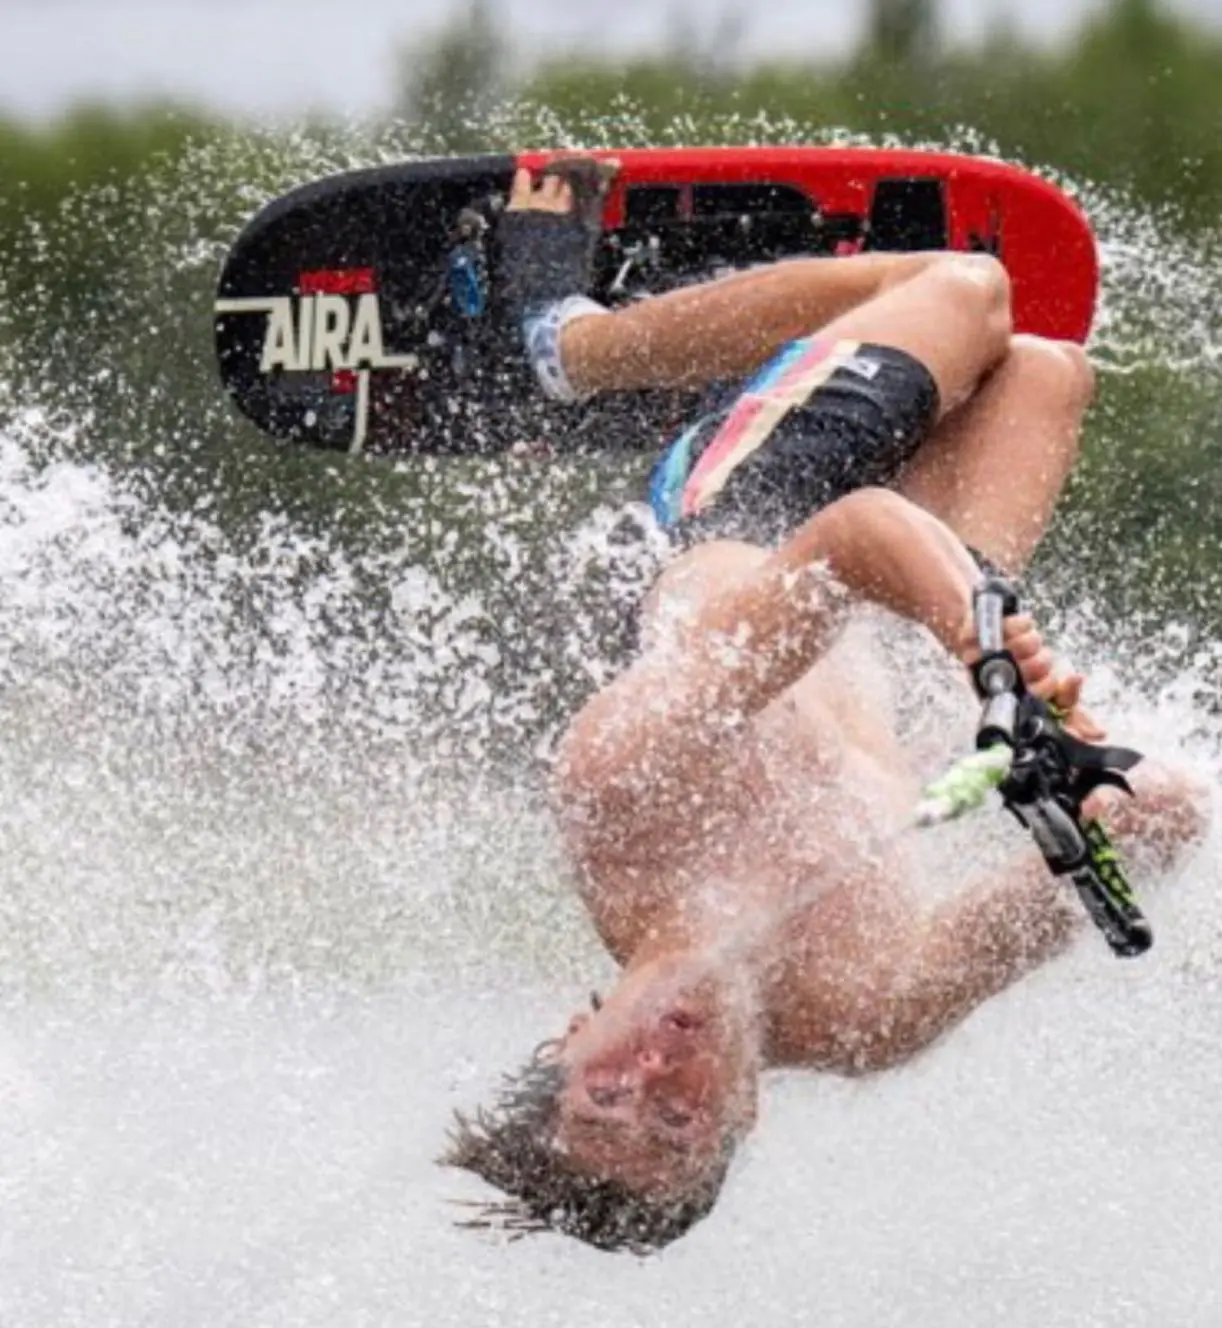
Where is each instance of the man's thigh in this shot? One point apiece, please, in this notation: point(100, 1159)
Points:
point(994, 469)
point(953, 317)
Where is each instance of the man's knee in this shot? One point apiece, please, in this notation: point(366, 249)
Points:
point(979, 286)
point(984, 271)
point(1058, 370)
point(964, 301)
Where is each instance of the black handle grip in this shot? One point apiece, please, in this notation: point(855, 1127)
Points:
point(1105, 892)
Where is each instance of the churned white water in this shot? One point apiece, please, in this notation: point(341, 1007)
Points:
point(276, 896)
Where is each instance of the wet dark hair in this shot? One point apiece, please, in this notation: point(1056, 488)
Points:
point(511, 1146)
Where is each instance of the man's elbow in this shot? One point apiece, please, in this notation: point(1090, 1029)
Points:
point(598, 778)
point(1188, 817)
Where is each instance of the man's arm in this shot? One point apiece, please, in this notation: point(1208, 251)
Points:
point(970, 949)
point(664, 725)
point(977, 944)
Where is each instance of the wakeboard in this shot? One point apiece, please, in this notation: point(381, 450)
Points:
point(357, 313)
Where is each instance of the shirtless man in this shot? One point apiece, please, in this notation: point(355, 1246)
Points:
point(729, 804)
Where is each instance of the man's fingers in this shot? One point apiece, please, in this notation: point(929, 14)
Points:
point(1037, 665)
point(1037, 672)
point(1067, 697)
point(1026, 646)
point(1069, 691)
point(549, 194)
point(1084, 726)
point(555, 194)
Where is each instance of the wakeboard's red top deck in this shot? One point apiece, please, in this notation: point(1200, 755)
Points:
point(353, 312)
point(1042, 237)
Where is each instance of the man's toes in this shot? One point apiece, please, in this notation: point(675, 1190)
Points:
point(523, 188)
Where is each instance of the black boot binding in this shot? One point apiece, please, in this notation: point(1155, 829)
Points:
point(512, 265)
point(1044, 776)
point(543, 257)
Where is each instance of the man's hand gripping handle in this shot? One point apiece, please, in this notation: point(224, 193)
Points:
point(1049, 777)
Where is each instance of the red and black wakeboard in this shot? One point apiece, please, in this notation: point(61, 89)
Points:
point(355, 314)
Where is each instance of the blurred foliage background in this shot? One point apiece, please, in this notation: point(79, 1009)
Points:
point(113, 224)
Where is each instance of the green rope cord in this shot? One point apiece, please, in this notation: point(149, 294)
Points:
point(964, 787)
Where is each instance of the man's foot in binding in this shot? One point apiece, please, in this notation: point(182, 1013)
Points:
point(546, 241)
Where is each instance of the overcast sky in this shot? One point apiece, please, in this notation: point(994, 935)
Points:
point(284, 57)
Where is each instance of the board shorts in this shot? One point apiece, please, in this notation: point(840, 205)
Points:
point(819, 420)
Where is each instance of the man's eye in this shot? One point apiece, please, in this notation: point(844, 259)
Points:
point(607, 1097)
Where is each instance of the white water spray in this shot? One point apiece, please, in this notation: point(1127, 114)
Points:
point(274, 899)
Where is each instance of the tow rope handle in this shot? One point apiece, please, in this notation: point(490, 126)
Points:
point(1049, 775)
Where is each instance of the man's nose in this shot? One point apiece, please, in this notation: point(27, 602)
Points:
point(650, 1061)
